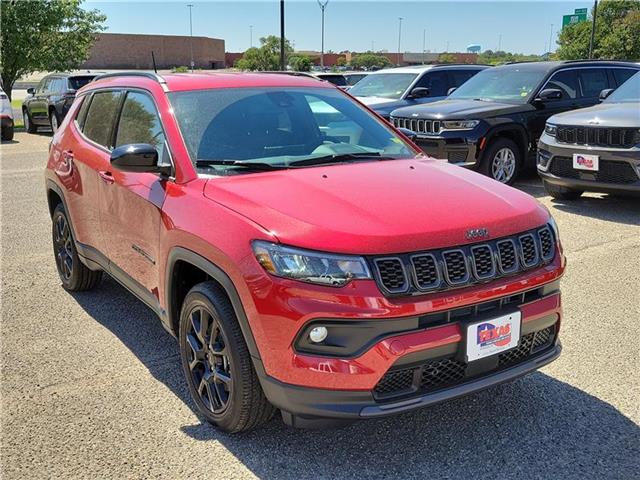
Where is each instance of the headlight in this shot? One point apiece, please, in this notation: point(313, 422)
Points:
point(550, 129)
point(459, 124)
point(309, 266)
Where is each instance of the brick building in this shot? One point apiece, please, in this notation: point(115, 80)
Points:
point(125, 50)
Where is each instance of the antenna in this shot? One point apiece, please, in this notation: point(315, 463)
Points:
point(153, 59)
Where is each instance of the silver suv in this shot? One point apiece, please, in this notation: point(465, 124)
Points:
point(594, 149)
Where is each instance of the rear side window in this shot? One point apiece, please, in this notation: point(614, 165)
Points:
point(82, 111)
point(593, 81)
point(458, 77)
point(140, 123)
point(622, 74)
point(436, 82)
point(566, 81)
point(100, 117)
point(76, 83)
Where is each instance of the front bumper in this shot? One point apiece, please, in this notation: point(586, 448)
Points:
point(619, 167)
point(452, 147)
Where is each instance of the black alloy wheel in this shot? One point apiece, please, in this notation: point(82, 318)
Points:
point(64, 248)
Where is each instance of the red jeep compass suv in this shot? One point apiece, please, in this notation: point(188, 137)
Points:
point(304, 252)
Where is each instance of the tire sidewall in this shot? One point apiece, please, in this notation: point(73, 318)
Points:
point(200, 298)
point(492, 151)
point(54, 116)
point(67, 283)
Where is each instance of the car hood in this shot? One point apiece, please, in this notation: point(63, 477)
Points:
point(452, 109)
point(384, 207)
point(602, 115)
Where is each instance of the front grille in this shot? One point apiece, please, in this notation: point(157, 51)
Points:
point(440, 373)
point(609, 171)
point(449, 268)
point(598, 136)
point(418, 125)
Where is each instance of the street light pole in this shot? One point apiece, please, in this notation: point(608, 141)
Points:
point(323, 5)
point(550, 39)
point(250, 36)
point(399, 37)
point(191, 35)
point(424, 45)
point(593, 28)
point(499, 42)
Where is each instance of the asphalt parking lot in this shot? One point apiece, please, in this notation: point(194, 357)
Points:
point(92, 387)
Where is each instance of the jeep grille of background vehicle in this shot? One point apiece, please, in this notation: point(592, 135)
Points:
point(598, 136)
point(417, 125)
point(440, 373)
point(609, 171)
point(451, 268)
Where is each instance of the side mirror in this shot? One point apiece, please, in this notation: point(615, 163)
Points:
point(413, 136)
point(419, 92)
point(69, 93)
point(31, 91)
point(605, 93)
point(138, 158)
point(549, 94)
point(451, 90)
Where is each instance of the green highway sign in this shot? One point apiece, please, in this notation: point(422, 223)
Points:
point(579, 11)
point(573, 18)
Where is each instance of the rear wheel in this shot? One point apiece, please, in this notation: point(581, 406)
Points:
point(502, 161)
point(561, 193)
point(28, 124)
point(217, 364)
point(75, 276)
point(7, 133)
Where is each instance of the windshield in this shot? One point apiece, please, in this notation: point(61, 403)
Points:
point(279, 128)
point(628, 92)
point(385, 85)
point(510, 85)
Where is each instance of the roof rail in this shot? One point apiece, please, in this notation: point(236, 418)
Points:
point(133, 73)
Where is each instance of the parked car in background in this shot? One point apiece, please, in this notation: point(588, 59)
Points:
point(6, 117)
point(391, 88)
point(335, 78)
point(316, 264)
point(595, 149)
point(493, 122)
point(47, 104)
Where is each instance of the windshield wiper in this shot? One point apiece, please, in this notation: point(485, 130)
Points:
point(242, 164)
point(335, 158)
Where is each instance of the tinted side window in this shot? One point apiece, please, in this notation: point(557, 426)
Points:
point(622, 74)
point(42, 85)
point(436, 82)
point(565, 81)
point(593, 81)
point(99, 122)
point(82, 111)
point(140, 123)
point(458, 77)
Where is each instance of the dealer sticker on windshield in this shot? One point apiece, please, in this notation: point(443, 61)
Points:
point(582, 161)
point(492, 336)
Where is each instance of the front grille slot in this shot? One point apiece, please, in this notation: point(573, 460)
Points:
point(418, 125)
point(598, 136)
point(609, 171)
point(446, 372)
point(452, 268)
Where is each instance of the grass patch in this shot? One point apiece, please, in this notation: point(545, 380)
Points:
point(17, 105)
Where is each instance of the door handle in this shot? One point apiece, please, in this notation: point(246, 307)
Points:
point(106, 177)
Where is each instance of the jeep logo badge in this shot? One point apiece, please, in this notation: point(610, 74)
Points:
point(476, 233)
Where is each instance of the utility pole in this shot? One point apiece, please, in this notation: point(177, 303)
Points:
point(424, 45)
point(250, 36)
point(593, 28)
point(399, 37)
point(550, 40)
point(191, 35)
point(323, 5)
point(499, 42)
point(373, 44)
point(282, 65)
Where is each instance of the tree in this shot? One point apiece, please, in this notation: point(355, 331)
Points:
point(370, 60)
point(341, 61)
point(446, 58)
point(266, 57)
point(300, 63)
point(45, 35)
point(616, 35)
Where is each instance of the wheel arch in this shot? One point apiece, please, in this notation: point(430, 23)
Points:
point(513, 132)
point(54, 197)
point(186, 268)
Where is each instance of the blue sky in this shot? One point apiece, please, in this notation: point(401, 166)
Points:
point(523, 26)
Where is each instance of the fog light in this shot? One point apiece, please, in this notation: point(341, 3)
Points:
point(318, 334)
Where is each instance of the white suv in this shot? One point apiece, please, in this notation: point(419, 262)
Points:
point(6, 116)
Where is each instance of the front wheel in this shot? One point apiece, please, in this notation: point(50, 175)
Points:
point(28, 124)
point(216, 362)
point(502, 161)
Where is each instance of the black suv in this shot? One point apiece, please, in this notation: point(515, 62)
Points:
point(493, 121)
point(48, 103)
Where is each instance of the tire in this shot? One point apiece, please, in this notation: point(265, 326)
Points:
point(28, 124)
point(502, 161)
point(561, 193)
point(221, 377)
point(7, 134)
point(54, 121)
point(75, 276)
